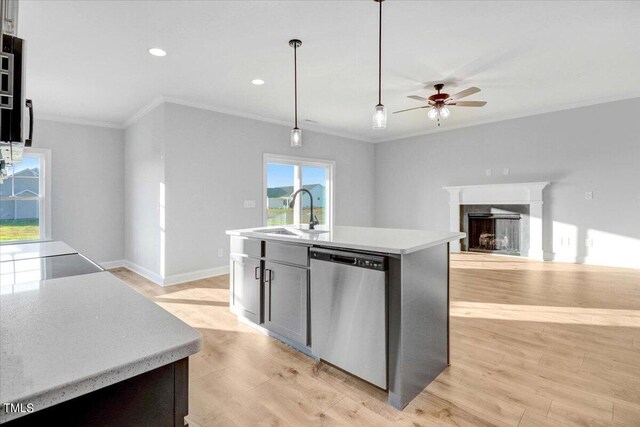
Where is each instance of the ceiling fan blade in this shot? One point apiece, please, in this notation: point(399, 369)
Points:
point(409, 109)
point(418, 98)
point(468, 103)
point(465, 93)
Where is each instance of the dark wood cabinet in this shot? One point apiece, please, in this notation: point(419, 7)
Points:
point(157, 398)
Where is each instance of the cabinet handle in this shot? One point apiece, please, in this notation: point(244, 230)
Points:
point(255, 273)
point(267, 279)
point(27, 142)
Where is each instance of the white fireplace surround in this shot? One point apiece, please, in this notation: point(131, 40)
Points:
point(525, 193)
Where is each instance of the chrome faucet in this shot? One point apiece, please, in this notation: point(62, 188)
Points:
point(313, 220)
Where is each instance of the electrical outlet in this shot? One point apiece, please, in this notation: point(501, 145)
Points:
point(220, 252)
point(488, 172)
point(588, 195)
point(505, 171)
point(588, 242)
point(249, 203)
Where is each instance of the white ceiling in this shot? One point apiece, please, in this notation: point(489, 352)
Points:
point(88, 60)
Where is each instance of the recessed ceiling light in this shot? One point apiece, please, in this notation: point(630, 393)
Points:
point(155, 51)
point(257, 82)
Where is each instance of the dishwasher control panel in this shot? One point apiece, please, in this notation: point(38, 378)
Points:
point(354, 259)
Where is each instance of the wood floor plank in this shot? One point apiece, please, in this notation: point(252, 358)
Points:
point(530, 419)
point(511, 393)
point(533, 344)
point(626, 413)
point(362, 392)
point(428, 410)
point(290, 405)
point(489, 405)
point(569, 416)
point(348, 412)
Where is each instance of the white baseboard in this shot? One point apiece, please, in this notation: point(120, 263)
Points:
point(144, 272)
point(565, 257)
point(176, 279)
point(621, 262)
point(112, 264)
point(591, 260)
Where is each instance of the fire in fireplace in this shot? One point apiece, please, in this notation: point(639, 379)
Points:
point(494, 232)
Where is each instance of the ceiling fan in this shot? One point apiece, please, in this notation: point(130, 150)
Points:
point(438, 102)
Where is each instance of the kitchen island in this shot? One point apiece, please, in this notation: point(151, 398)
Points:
point(88, 350)
point(371, 301)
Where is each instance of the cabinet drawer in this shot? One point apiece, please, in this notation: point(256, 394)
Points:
point(246, 246)
point(283, 252)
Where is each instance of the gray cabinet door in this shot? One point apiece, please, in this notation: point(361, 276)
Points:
point(285, 302)
point(245, 287)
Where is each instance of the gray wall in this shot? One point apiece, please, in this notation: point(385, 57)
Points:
point(143, 184)
point(214, 163)
point(87, 203)
point(594, 148)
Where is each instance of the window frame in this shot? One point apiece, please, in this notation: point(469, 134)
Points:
point(44, 196)
point(297, 162)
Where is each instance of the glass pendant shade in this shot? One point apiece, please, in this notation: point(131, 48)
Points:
point(296, 133)
point(438, 112)
point(296, 137)
point(380, 117)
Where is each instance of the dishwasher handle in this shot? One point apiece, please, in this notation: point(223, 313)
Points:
point(341, 259)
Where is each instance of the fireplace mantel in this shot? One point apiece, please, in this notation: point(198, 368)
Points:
point(525, 193)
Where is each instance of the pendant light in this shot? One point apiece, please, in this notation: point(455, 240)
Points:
point(296, 133)
point(380, 111)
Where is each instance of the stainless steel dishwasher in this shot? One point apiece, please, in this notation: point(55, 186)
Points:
point(349, 312)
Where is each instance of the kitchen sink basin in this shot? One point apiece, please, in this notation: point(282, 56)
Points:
point(306, 230)
point(283, 231)
point(290, 232)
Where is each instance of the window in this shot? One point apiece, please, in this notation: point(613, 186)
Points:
point(24, 199)
point(283, 175)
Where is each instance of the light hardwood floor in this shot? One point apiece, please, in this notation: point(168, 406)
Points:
point(533, 344)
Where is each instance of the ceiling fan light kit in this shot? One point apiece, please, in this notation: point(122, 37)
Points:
point(439, 102)
point(296, 133)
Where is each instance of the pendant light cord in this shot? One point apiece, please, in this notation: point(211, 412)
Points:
point(380, 56)
point(295, 82)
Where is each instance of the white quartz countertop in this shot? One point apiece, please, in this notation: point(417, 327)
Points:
point(65, 337)
point(18, 251)
point(385, 240)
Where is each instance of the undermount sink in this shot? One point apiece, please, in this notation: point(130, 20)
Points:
point(290, 232)
point(306, 230)
point(276, 231)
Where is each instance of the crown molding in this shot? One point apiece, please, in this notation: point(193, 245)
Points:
point(223, 110)
point(143, 111)
point(83, 122)
point(319, 129)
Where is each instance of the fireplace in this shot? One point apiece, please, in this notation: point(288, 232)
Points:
point(514, 198)
point(494, 232)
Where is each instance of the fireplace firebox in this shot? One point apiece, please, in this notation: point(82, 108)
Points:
point(494, 232)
